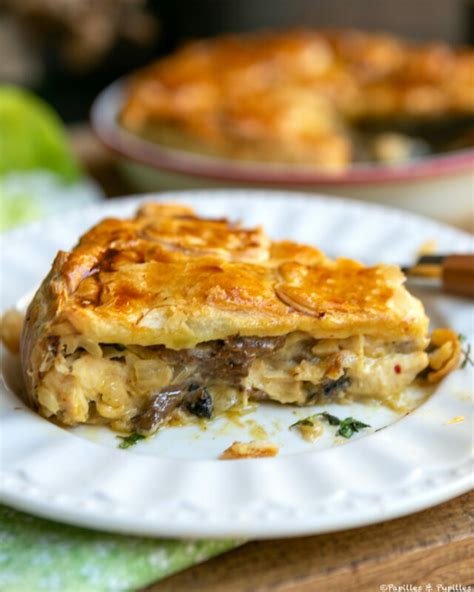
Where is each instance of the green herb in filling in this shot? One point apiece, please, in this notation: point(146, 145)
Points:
point(467, 356)
point(347, 427)
point(128, 441)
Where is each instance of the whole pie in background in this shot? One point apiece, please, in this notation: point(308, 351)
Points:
point(319, 98)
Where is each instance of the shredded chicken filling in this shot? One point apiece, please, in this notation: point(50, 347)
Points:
point(139, 388)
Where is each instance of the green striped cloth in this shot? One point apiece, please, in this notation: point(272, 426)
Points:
point(38, 555)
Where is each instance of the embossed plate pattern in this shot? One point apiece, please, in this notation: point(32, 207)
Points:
point(174, 485)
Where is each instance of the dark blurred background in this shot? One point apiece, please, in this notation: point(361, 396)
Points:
point(68, 50)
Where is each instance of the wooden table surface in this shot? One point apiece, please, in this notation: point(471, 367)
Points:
point(434, 547)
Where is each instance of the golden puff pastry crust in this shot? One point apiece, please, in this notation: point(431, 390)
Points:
point(171, 278)
point(293, 96)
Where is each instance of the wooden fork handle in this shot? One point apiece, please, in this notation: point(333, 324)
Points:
point(458, 275)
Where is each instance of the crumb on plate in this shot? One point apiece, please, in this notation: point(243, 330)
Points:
point(457, 419)
point(254, 449)
point(429, 247)
point(311, 432)
point(11, 323)
point(446, 354)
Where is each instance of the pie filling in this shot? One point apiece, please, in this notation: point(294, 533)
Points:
point(135, 388)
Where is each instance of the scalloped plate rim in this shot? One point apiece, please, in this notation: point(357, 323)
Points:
point(270, 525)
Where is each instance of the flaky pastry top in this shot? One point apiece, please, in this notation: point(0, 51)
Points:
point(172, 278)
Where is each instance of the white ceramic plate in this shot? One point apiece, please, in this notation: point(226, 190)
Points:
point(172, 484)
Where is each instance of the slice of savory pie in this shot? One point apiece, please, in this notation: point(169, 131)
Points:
point(167, 316)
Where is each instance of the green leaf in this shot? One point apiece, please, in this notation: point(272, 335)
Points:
point(309, 421)
point(467, 357)
point(32, 136)
point(349, 426)
point(345, 430)
point(331, 419)
point(359, 425)
point(131, 440)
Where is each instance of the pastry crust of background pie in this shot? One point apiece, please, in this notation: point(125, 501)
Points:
point(293, 96)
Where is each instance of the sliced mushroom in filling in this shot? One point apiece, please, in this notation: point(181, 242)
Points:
point(137, 388)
